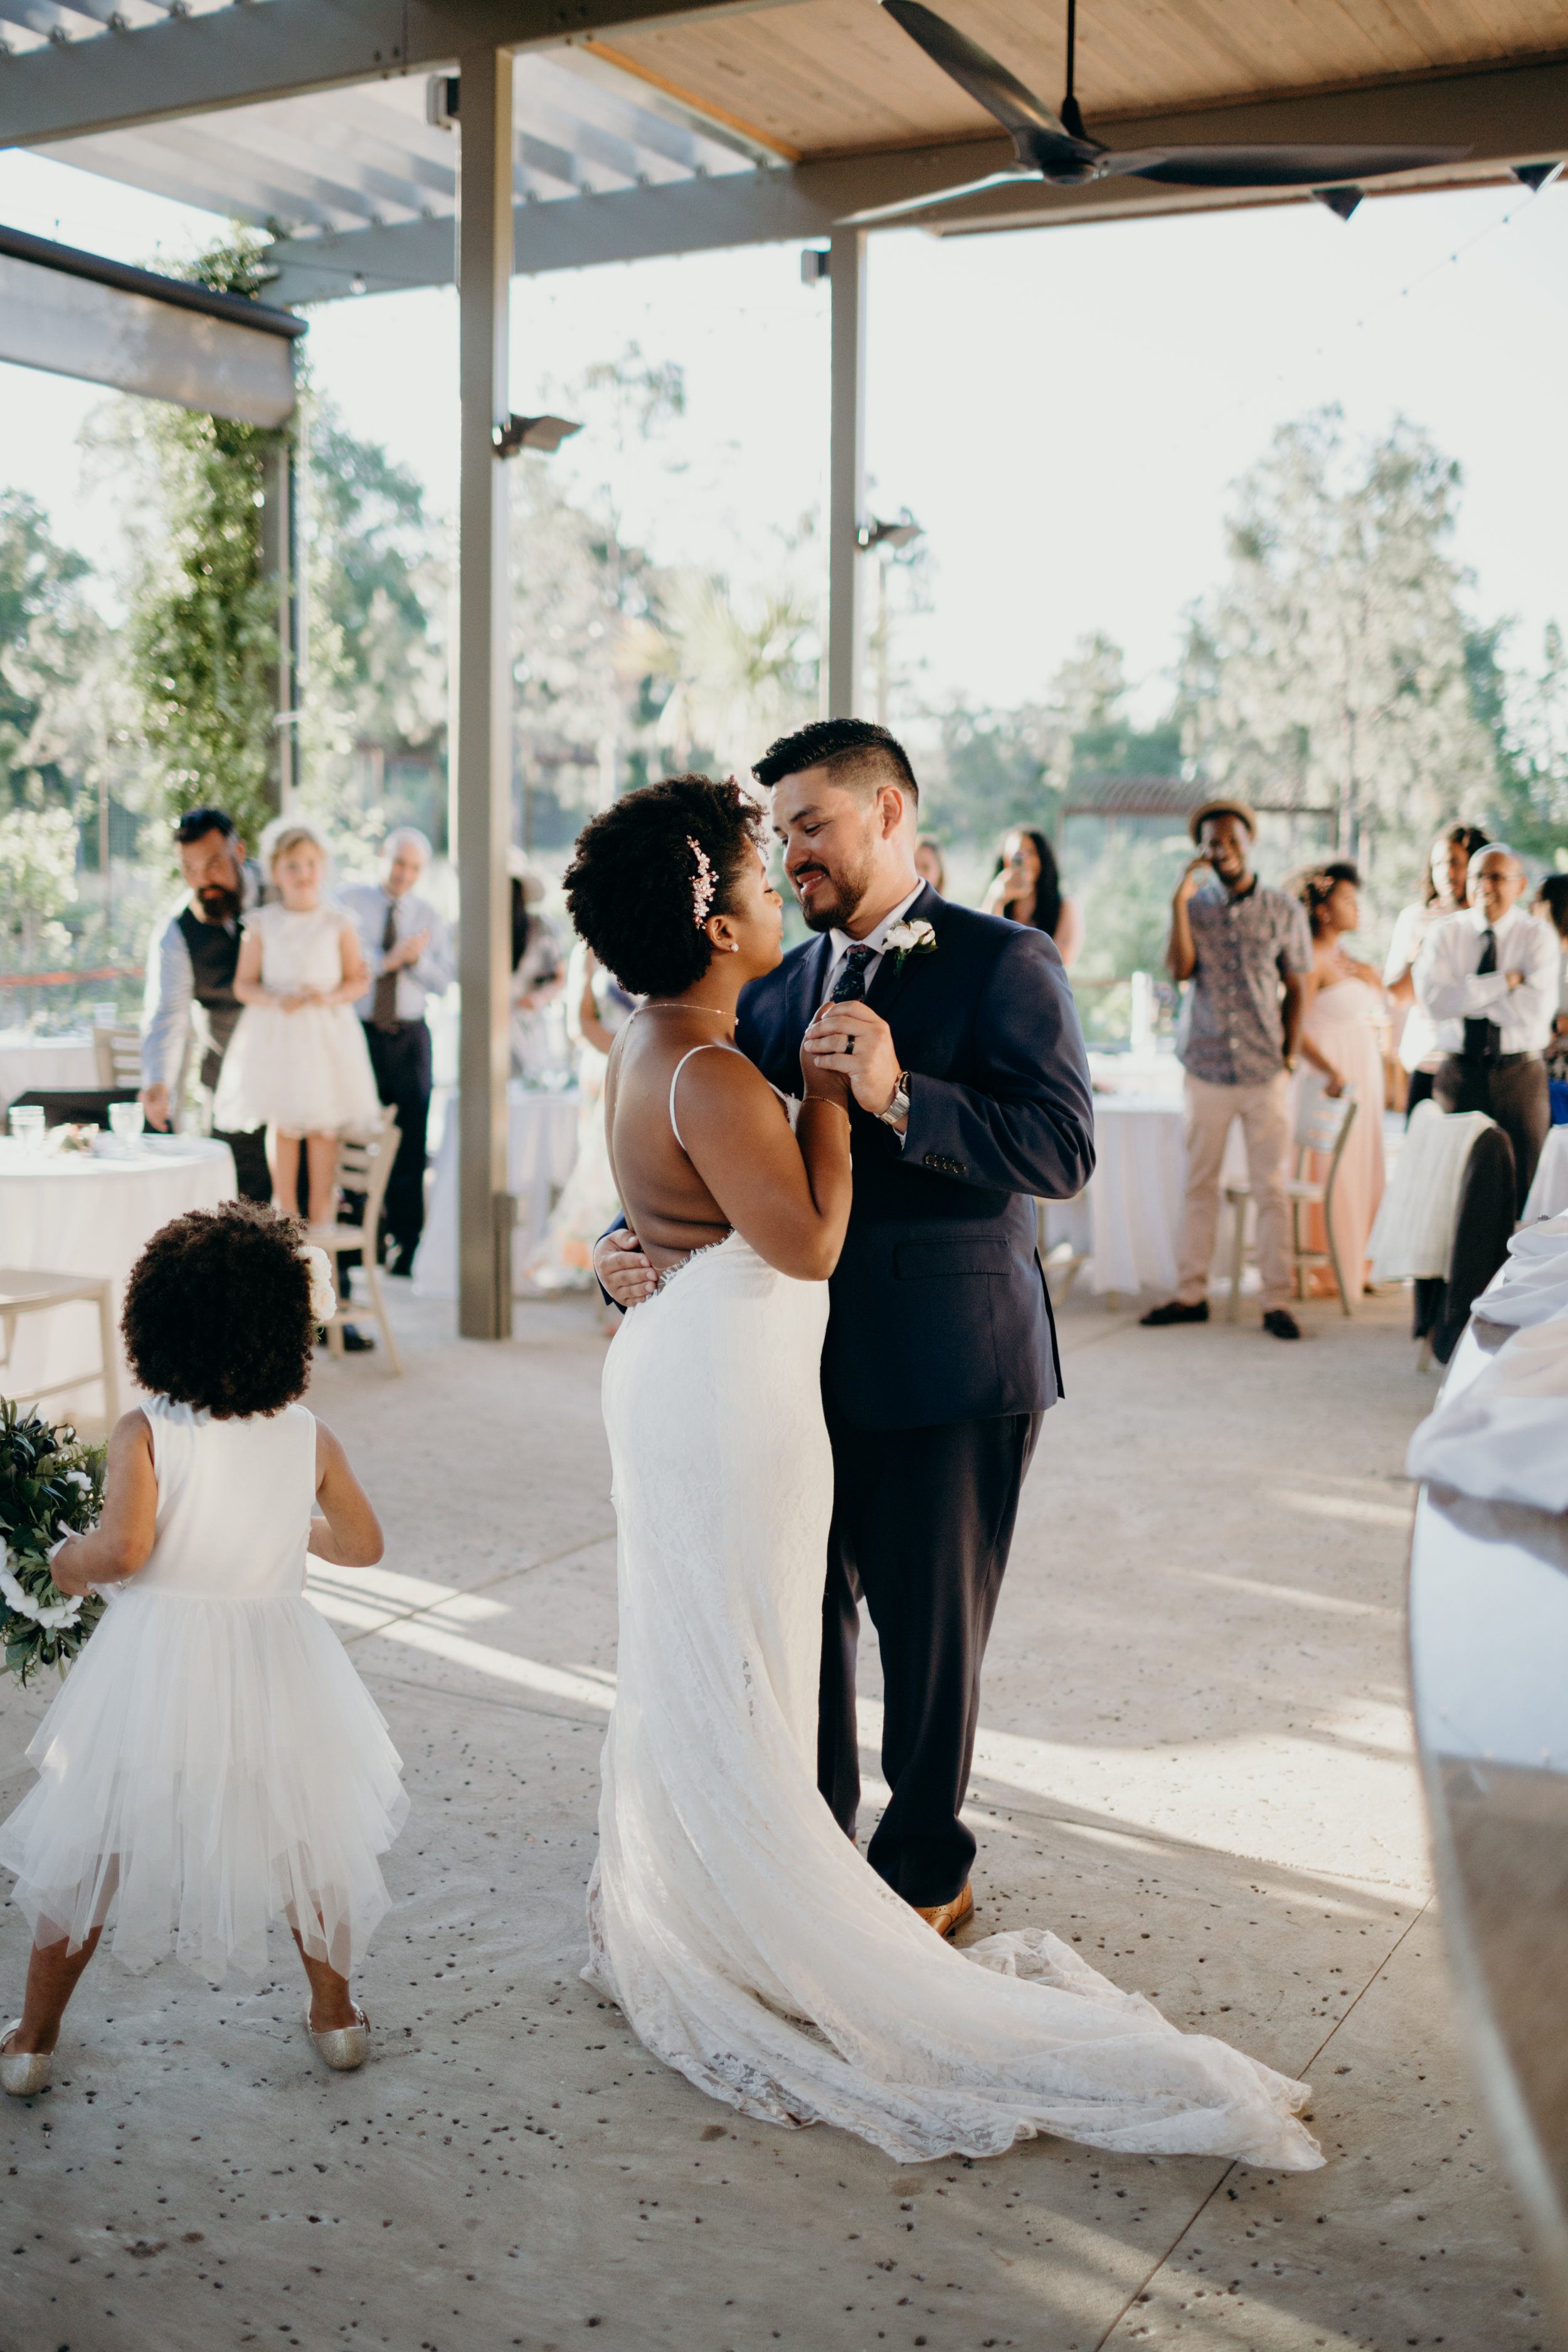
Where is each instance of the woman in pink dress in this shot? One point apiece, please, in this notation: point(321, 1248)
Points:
point(1342, 1041)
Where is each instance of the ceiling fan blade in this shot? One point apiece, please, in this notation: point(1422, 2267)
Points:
point(1267, 167)
point(1038, 133)
point(1009, 178)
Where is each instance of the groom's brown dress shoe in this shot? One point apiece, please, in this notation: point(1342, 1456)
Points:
point(947, 1919)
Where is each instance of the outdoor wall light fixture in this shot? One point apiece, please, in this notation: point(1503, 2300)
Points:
point(890, 535)
point(546, 432)
point(814, 265)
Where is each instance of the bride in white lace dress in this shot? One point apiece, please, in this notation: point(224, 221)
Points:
point(747, 1940)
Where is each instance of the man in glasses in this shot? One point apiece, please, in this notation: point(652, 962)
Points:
point(191, 965)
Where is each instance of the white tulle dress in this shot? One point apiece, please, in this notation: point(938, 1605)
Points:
point(308, 1072)
point(213, 1762)
point(747, 1940)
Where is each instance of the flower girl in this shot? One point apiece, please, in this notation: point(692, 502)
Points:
point(213, 1762)
point(297, 1062)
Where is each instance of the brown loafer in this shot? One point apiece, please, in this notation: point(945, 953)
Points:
point(947, 1919)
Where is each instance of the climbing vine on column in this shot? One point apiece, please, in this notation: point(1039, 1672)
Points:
point(202, 628)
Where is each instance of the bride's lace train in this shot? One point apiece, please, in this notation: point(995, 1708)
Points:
point(750, 1945)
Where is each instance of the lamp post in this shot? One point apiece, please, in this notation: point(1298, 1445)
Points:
point(885, 540)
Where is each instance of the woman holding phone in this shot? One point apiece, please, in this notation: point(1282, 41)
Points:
point(1027, 888)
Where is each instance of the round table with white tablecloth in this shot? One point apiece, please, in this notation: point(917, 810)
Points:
point(1549, 1191)
point(71, 1213)
point(60, 1065)
point(542, 1144)
point(1127, 1221)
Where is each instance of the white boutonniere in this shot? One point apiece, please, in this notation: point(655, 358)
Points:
point(323, 1299)
point(908, 938)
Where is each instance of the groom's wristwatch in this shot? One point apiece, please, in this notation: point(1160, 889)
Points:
point(898, 1110)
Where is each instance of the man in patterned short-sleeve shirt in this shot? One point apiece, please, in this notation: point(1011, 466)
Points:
point(1245, 949)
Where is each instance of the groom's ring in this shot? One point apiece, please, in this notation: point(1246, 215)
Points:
point(849, 1045)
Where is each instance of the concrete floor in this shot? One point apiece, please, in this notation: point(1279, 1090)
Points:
point(1194, 1762)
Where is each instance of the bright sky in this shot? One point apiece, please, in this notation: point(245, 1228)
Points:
point(1063, 411)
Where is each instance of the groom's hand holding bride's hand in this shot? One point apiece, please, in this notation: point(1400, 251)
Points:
point(850, 1043)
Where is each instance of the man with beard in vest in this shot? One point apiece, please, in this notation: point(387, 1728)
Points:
point(191, 965)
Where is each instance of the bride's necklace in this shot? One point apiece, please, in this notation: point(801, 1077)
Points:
point(717, 1010)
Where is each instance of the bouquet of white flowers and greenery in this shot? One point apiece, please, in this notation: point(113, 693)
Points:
point(49, 1486)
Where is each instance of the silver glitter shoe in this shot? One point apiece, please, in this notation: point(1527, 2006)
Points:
point(344, 2047)
point(24, 2072)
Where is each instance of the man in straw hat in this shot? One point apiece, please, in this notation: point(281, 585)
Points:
point(1245, 949)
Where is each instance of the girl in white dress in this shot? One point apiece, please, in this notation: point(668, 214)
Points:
point(297, 1064)
point(213, 1763)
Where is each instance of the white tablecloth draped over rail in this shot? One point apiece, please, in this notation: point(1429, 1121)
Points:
point(71, 1213)
point(542, 1145)
point(60, 1064)
point(1548, 1192)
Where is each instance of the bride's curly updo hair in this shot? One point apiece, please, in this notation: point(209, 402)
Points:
point(217, 1311)
point(636, 878)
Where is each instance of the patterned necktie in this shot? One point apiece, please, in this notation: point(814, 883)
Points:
point(849, 988)
point(383, 1004)
point(1483, 1039)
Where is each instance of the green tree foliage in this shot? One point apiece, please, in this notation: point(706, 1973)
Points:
point(51, 641)
point(201, 630)
point(1330, 670)
point(37, 883)
point(1525, 713)
point(378, 586)
point(1013, 767)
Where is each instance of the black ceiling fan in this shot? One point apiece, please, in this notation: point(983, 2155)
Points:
point(1055, 146)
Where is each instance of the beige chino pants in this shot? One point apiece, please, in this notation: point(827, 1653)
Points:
point(1266, 1124)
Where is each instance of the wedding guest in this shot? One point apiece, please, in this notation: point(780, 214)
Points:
point(1246, 951)
point(191, 965)
point(597, 1009)
point(297, 1063)
point(1552, 907)
point(538, 974)
point(1344, 999)
point(1027, 888)
point(930, 863)
point(1446, 893)
point(407, 944)
point(1489, 980)
point(214, 1764)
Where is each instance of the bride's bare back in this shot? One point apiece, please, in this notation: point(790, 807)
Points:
point(701, 1146)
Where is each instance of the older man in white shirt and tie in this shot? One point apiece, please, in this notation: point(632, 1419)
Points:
point(407, 946)
point(1487, 978)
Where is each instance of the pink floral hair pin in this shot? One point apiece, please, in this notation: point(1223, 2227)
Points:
point(704, 882)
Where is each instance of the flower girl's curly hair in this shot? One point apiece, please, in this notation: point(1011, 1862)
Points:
point(217, 1311)
point(649, 871)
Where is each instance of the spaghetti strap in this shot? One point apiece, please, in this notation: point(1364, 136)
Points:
point(714, 1048)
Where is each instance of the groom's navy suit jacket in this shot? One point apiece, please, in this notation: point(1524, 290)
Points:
point(938, 1310)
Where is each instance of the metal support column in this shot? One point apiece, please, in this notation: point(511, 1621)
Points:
point(846, 490)
point(482, 700)
point(281, 568)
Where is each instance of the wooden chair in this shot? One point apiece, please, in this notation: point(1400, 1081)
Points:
point(365, 1165)
point(26, 1292)
point(1323, 1123)
point(119, 1052)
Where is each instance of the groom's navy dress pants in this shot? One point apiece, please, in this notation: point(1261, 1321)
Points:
point(922, 1520)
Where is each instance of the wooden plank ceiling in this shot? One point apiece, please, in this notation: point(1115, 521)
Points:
point(838, 77)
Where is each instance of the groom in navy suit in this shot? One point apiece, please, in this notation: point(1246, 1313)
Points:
point(971, 1098)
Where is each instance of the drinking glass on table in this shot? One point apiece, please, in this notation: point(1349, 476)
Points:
point(27, 1125)
point(126, 1120)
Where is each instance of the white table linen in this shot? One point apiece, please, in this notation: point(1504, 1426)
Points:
point(1499, 1430)
point(1413, 1235)
point(542, 1146)
point(60, 1064)
point(1128, 1220)
point(1548, 1192)
point(74, 1214)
